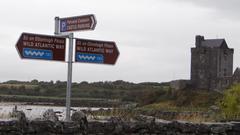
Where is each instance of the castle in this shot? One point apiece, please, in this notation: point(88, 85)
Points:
point(212, 64)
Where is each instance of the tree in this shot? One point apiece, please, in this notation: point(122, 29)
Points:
point(34, 82)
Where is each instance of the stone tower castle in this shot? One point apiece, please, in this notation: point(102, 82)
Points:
point(211, 64)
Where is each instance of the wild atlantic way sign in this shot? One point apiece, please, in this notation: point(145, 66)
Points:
point(44, 47)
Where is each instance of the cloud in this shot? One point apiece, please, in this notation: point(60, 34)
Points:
point(224, 8)
point(153, 36)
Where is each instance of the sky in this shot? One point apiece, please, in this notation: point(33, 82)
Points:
point(153, 37)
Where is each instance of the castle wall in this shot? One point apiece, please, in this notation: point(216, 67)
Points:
point(225, 63)
point(211, 68)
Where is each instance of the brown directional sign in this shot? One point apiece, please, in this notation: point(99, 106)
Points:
point(77, 23)
point(93, 51)
point(45, 47)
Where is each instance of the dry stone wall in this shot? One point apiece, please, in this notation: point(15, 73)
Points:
point(162, 128)
point(114, 126)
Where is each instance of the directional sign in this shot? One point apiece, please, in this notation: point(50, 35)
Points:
point(93, 51)
point(35, 46)
point(86, 22)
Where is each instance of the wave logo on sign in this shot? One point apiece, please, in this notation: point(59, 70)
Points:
point(37, 53)
point(91, 58)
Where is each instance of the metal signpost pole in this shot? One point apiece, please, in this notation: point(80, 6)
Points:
point(56, 30)
point(69, 80)
point(70, 61)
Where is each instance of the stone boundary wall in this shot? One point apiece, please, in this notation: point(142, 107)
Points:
point(40, 128)
point(113, 127)
point(140, 125)
point(162, 128)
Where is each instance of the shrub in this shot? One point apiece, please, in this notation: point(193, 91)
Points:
point(230, 103)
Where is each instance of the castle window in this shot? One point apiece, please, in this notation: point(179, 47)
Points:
point(220, 63)
point(226, 81)
point(225, 52)
point(224, 72)
point(225, 55)
point(204, 51)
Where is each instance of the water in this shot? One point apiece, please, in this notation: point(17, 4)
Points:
point(36, 111)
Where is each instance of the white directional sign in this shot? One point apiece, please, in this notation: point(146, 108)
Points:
point(78, 23)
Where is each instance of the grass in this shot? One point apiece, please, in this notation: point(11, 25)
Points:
point(124, 114)
point(60, 101)
point(169, 106)
point(186, 105)
point(196, 98)
point(128, 115)
point(9, 86)
point(4, 116)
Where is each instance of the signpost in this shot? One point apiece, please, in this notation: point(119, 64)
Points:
point(44, 47)
point(70, 24)
point(94, 51)
point(77, 23)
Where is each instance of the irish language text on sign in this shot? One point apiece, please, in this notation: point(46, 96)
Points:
point(94, 51)
point(86, 22)
point(35, 46)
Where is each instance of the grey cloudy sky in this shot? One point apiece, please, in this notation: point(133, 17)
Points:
point(154, 37)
